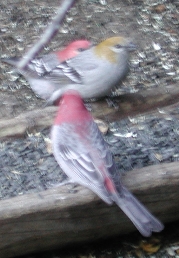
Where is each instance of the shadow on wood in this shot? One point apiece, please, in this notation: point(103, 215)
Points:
point(56, 218)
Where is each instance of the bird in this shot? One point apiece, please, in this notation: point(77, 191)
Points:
point(82, 153)
point(39, 67)
point(93, 73)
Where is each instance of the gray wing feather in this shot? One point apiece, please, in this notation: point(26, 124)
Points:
point(63, 73)
point(77, 161)
point(85, 62)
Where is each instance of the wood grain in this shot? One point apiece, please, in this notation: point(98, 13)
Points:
point(56, 218)
point(127, 105)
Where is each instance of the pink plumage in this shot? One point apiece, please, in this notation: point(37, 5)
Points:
point(73, 49)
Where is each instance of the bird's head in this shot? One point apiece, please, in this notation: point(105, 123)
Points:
point(79, 45)
point(112, 47)
point(71, 108)
point(71, 98)
point(73, 49)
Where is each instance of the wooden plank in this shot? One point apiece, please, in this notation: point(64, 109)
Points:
point(57, 217)
point(127, 105)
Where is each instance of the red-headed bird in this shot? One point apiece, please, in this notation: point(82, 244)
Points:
point(82, 153)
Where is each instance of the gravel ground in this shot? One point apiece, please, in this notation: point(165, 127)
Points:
point(29, 166)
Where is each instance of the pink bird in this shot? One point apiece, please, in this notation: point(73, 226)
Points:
point(39, 68)
point(84, 156)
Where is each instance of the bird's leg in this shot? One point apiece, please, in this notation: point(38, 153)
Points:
point(65, 182)
point(72, 185)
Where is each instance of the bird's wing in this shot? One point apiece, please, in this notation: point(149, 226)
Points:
point(44, 64)
point(85, 62)
point(79, 150)
point(71, 70)
point(74, 69)
point(63, 74)
point(36, 67)
point(84, 159)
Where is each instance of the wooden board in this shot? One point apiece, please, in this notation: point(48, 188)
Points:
point(57, 217)
point(126, 105)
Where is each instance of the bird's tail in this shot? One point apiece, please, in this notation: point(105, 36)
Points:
point(144, 221)
point(12, 60)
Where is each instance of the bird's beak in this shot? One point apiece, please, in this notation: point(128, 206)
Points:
point(131, 46)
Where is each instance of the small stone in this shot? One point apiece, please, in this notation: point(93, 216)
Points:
point(103, 127)
point(159, 8)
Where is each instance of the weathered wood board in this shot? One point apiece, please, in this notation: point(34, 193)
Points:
point(57, 217)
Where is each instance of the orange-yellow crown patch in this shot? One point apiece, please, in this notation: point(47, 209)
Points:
point(103, 49)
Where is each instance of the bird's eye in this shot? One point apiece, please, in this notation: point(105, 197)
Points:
point(81, 49)
point(118, 46)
